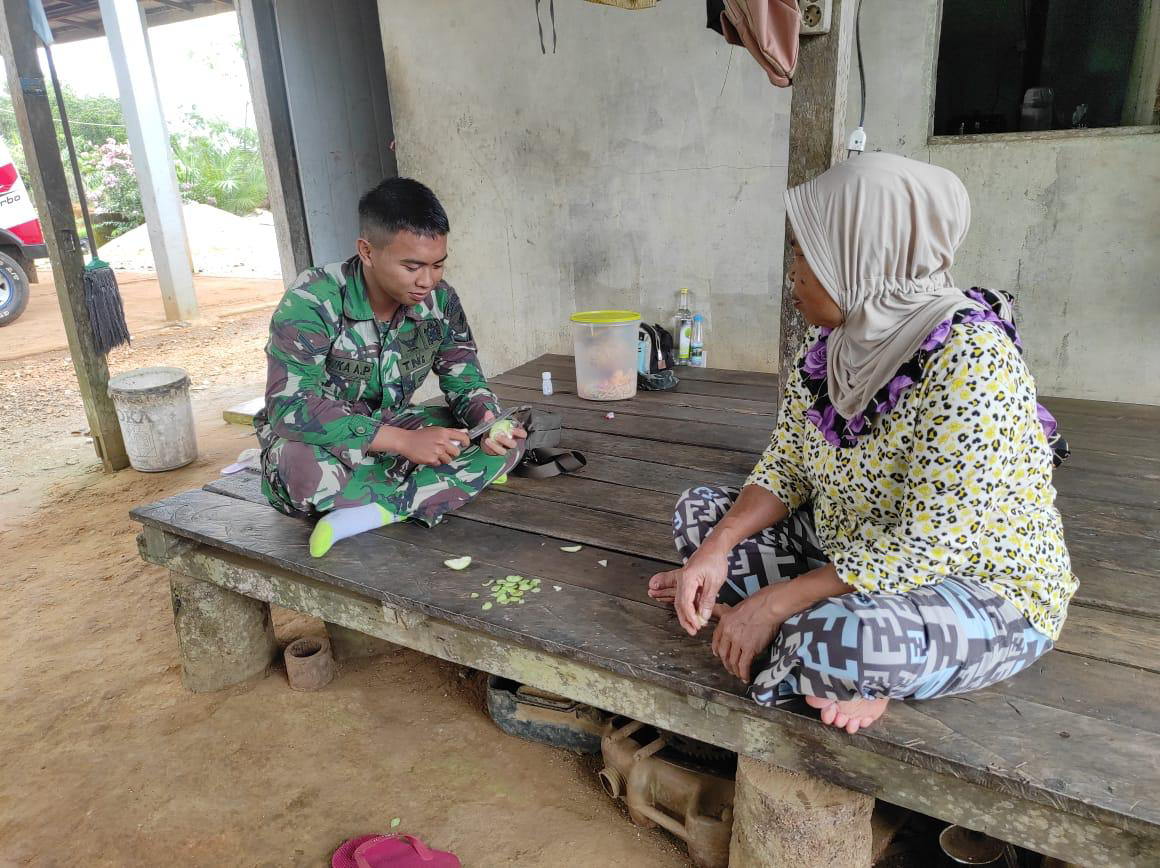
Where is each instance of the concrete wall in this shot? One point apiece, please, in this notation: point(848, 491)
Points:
point(643, 156)
point(1067, 222)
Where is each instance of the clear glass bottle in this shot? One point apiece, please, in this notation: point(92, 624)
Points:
point(697, 343)
point(684, 335)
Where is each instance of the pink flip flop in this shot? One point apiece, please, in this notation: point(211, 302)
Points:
point(344, 856)
point(391, 851)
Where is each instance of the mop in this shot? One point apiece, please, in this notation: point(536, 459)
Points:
point(102, 295)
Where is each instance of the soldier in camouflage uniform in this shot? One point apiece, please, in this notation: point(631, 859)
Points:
point(350, 344)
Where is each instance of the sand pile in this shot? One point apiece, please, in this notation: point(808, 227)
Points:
point(220, 243)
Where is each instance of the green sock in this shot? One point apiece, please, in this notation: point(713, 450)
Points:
point(343, 523)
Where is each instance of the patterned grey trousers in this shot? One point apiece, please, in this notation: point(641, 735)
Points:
point(935, 640)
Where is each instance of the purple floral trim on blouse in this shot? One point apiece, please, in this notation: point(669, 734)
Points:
point(844, 433)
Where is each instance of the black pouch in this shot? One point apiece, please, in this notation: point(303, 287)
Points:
point(542, 456)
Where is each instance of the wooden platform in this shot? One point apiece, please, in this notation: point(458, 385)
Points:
point(1063, 759)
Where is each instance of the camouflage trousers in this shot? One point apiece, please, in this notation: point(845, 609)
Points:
point(301, 479)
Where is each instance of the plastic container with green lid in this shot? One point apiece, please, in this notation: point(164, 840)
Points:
point(605, 342)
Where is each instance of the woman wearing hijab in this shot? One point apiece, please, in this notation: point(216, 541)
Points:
point(906, 490)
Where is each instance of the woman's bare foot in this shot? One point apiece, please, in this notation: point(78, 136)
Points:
point(851, 714)
point(663, 586)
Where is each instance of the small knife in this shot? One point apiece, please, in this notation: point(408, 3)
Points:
point(483, 427)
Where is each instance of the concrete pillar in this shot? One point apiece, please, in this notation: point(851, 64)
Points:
point(786, 818)
point(223, 637)
point(152, 155)
point(347, 644)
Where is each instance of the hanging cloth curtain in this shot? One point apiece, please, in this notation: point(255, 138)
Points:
point(768, 29)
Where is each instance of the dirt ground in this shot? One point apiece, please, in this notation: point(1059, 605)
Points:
point(106, 760)
point(40, 330)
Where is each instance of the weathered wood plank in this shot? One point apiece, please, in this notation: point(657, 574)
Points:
point(618, 500)
point(567, 374)
point(1106, 631)
point(624, 634)
point(628, 535)
point(664, 411)
point(516, 551)
point(1110, 464)
point(715, 375)
point(257, 530)
point(712, 462)
point(1104, 586)
point(1111, 550)
point(677, 397)
point(1094, 436)
point(1116, 591)
point(1067, 680)
point(1109, 517)
point(1077, 481)
point(590, 526)
point(664, 479)
point(692, 433)
point(1117, 638)
point(1106, 410)
point(1089, 423)
point(1073, 683)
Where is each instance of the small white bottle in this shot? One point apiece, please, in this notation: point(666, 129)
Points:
point(546, 382)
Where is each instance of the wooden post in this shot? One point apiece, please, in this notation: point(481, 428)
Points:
point(225, 638)
point(259, 28)
point(47, 180)
point(152, 155)
point(789, 818)
point(817, 139)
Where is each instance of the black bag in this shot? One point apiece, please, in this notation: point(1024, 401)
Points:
point(658, 348)
point(542, 457)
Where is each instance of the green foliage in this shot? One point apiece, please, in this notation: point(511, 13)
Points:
point(93, 120)
point(111, 187)
point(220, 165)
point(216, 164)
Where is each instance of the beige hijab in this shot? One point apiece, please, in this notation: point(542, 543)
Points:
point(880, 232)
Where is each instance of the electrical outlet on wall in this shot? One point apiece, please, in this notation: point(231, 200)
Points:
point(815, 16)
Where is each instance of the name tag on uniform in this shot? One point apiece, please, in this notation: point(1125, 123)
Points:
point(348, 368)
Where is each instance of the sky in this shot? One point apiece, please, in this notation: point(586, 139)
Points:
point(198, 65)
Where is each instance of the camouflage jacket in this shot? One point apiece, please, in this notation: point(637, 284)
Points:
point(336, 375)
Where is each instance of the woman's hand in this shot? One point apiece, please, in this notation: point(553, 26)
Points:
point(693, 588)
point(747, 629)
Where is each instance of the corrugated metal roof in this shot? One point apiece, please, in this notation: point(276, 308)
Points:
point(72, 20)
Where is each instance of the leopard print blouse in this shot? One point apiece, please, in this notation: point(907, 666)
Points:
point(955, 480)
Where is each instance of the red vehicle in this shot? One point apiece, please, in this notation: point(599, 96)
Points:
point(21, 240)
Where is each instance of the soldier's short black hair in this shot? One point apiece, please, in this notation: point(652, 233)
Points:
point(398, 205)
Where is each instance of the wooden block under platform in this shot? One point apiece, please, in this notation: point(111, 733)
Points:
point(243, 413)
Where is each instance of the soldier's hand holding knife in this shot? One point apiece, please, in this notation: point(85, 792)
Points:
point(431, 445)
